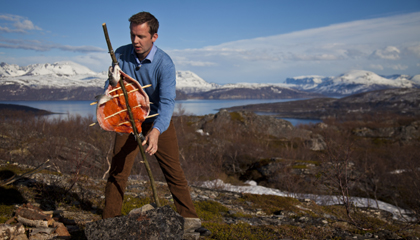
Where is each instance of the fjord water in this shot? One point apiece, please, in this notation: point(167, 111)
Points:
point(190, 107)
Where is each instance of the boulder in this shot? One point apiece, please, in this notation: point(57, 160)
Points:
point(159, 223)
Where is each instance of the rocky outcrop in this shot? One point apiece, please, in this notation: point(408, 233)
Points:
point(161, 223)
point(16, 232)
point(249, 121)
point(400, 133)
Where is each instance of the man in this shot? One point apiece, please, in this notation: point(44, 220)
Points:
point(148, 64)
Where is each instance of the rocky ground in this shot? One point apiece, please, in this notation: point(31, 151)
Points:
point(78, 201)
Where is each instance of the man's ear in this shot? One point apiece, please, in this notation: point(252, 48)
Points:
point(154, 37)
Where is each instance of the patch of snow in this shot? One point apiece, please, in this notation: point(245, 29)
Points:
point(253, 188)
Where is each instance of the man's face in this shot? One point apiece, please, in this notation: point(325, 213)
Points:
point(141, 39)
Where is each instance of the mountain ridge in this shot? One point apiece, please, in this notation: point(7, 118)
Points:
point(63, 79)
point(353, 82)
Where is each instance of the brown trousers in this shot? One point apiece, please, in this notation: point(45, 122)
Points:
point(167, 155)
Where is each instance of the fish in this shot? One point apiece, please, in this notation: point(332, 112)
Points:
point(103, 98)
point(111, 110)
point(114, 75)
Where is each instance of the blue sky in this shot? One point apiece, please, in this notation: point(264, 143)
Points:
point(224, 41)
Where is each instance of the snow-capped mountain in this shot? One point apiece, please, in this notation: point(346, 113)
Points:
point(356, 81)
point(59, 69)
point(189, 82)
point(306, 83)
point(65, 80)
point(57, 75)
point(70, 74)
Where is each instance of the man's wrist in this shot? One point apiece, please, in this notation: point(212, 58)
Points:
point(157, 129)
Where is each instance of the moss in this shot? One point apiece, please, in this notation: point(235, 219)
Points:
point(265, 161)
point(241, 215)
point(6, 212)
point(270, 203)
point(318, 175)
point(240, 231)
point(381, 141)
point(235, 116)
point(299, 167)
point(373, 223)
point(210, 210)
point(246, 231)
point(6, 170)
point(278, 143)
point(131, 203)
point(361, 220)
point(335, 210)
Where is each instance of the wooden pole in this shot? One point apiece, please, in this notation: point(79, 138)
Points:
point(130, 114)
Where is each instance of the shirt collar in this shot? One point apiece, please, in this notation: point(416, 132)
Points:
point(149, 56)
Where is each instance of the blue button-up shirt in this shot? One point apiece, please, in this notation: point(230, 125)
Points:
point(158, 70)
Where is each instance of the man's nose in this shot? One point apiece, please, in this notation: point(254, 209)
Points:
point(136, 39)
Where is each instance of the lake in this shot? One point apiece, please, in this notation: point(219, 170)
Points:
point(191, 107)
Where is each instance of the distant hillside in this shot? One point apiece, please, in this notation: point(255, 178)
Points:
point(260, 92)
point(390, 101)
point(15, 107)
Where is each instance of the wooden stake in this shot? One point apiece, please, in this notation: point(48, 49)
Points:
point(133, 125)
point(124, 110)
point(130, 84)
point(150, 116)
point(154, 115)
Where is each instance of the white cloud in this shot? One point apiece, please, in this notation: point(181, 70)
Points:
point(324, 51)
point(194, 63)
point(390, 52)
point(18, 24)
point(329, 50)
point(45, 46)
point(182, 61)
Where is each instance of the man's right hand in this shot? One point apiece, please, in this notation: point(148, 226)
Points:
point(151, 140)
point(114, 75)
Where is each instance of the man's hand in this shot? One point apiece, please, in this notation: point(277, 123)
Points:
point(152, 141)
point(114, 75)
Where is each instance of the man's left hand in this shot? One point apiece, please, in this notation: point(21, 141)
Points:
point(152, 140)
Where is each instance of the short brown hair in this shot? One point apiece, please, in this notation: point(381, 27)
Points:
point(145, 17)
